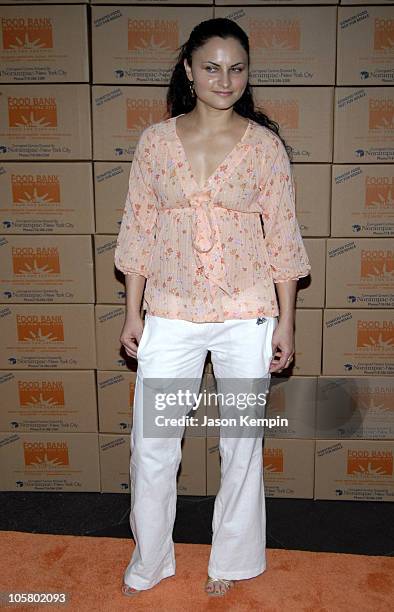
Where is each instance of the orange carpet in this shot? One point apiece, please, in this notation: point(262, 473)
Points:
point(90, 569)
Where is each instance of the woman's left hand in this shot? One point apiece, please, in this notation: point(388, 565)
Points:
point(282, 346)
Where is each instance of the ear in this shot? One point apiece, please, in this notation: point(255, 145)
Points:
point(187, 69)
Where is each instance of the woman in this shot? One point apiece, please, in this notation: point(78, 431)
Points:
point(200, 184)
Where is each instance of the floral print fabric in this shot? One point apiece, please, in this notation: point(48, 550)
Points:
point(211, 253)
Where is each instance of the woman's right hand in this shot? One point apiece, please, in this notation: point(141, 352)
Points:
point(131, 334)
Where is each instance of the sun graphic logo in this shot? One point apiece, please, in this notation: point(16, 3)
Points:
point(142, 113)
point(369, 462)
point(375, 336)
point(46, 455)
point(376, 400)
point(29, 261)
point(377, 265)
point(381, 113)
point(379, 193)
point(40, 393)
point(35, 189)
point(285, 111)
point(32, 111)
point(40, 329)
point(275, 34)
point(27, 33)
point(152, 35)
point(383, 39)
point(273, 460)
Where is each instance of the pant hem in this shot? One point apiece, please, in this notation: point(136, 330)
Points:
point(166, 574)
point(237, 575)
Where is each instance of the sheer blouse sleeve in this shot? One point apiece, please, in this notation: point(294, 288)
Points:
point(283, 241)
point(136, 235)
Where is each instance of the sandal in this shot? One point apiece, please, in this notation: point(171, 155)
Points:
point(128, 590)
point(221, 582)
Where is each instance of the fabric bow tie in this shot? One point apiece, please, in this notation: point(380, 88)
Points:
point(206, 240)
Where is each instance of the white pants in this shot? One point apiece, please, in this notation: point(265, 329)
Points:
point(176, 348)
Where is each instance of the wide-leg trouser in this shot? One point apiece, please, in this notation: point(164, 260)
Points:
point(173, 348)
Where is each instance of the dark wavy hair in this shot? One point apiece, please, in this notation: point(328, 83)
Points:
point(179, 97)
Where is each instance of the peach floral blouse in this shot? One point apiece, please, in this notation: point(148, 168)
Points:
point(212, 253)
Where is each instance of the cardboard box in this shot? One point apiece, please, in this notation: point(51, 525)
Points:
point(45, 122)
point(115, 393)
point(360, 273)
point(46, 198)
point(357, 407)
point(311, 289)
point(49, 336)
point(359, 470)
point(119, 116)
point(372, 2)
point(192, 474)
point(135, 45)
point(292, 407)
point(46, 269)
point(162, 2)
point(313, 193)
point(362, 197)
point(288, 467)
point(363, 125)
point(111, 184)
point(289, 410)
point(115, 465)
point(365, 46)
point(305, 118)
point(44, 44)
point(308, 343)
point(43, 2)
point(49, 462)
point(288, 46)
point(110, 354)
point(110, 287)
point(358, 342)
point(53, 401)
point(270, 2)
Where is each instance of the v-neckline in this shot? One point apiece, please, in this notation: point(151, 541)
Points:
point(224, 161)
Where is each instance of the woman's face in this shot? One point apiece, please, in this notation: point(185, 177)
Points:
point(221, 65)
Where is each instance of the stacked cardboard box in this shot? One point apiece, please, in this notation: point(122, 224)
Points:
point(69, 123)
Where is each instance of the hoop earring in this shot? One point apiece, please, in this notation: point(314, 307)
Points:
point(192, 92)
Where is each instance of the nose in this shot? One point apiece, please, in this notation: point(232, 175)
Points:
point(225, 80)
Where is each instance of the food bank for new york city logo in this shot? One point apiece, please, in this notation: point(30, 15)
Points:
point(273, 460)
point(40, 328)
point(35, 189)
point(39, 260)
point(275, 34)
point(383, 34)
point(141, 113)
point(27, 33)
point(369, 462)
point(377, 264)
point(29, 112)
point(45, 455)
point(40, 393)
point(378, 400)
point(379, 192)
point(285, 111)
point(152, 35)
point(375, 335)
point(381, 113)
